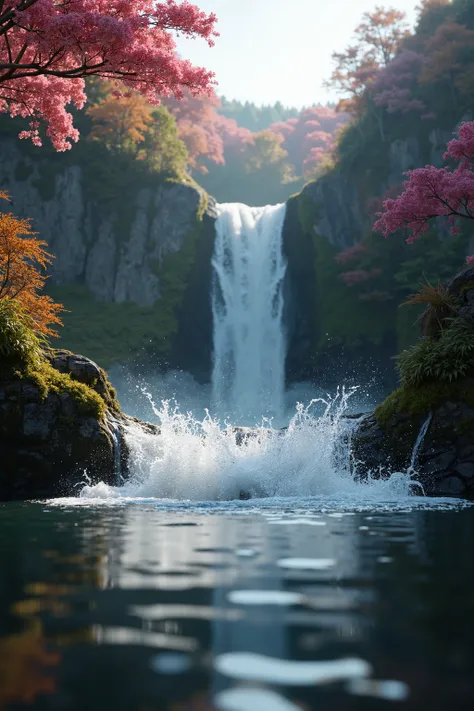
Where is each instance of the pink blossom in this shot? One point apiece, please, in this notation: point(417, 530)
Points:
point(208, 135)
point(310, 139)
point(462, 148)
point(47, 48)
point(434, 192)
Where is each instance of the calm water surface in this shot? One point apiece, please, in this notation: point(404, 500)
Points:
point(277, 606)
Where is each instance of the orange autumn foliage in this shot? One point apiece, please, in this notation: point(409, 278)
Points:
point(23, 260)
point(121, 123)
point(27, 668)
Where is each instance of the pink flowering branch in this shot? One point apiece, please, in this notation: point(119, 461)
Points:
point(430, 193)
point(48, 48)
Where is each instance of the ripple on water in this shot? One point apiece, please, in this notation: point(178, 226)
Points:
point(265, 597)
point(245, 666)
point(170, 663)
point(306, 563)
point(242, 699)
point(389, 690)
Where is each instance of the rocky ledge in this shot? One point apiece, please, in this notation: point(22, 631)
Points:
point(437, 385)
point(445, 462)
point(50, 444)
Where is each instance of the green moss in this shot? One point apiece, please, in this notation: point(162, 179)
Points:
point(424, 398)
point(434, 371)
point(23, 358)
point(50, 380)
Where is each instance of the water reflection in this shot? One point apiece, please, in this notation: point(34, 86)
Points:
point(279, 608)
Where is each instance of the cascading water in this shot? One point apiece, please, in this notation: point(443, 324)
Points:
point(248, 378)
point(117, 444)
point(419, 443)
point(208, 459)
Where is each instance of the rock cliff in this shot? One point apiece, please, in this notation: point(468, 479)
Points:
point(124, 257)
point(326, 320)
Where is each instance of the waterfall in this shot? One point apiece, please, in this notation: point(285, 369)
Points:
point(116, 435)
point(419, 443)
point(248, 376)
point(208, 459)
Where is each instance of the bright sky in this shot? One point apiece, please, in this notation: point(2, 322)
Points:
point(271, 50)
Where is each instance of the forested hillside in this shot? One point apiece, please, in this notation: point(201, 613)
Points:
point(406, 94)
point(258, 166)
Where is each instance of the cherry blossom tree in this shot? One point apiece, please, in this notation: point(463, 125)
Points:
point(430, 193)
point(207, 134)
point(48, 48)
point(310, 139)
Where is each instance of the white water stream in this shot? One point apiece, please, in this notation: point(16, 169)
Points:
point(248, 377)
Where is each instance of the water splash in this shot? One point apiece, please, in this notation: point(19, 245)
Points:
point(116, 435)
point(247, 304)
point(203, 460)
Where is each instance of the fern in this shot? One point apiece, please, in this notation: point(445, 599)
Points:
point(447, 358)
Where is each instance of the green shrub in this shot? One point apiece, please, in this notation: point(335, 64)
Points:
point(447, 358)
point(23, 357)
point(20, 347)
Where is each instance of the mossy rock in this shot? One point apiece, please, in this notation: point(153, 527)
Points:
point(421, 400)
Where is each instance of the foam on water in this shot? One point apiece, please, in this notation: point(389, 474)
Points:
point(257, 667)
point(193, 461)
point(200, 460)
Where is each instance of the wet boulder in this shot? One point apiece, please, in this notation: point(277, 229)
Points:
point(58, 433)
point(444, 465)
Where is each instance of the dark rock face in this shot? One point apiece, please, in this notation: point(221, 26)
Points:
point(445, 462)
point(341, 221)
point(192, 343)
point(48, 445)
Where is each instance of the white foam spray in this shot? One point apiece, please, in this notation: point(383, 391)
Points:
point(203, 460)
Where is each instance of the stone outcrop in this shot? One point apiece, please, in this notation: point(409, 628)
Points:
point(91, 242)
point(445, 462)
point(49, 446)
point(123, 246)
point(383, 441)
